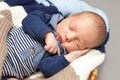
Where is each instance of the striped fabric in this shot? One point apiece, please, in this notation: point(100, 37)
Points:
point(18, 63)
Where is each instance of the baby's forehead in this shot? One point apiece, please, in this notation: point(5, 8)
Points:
point(88, 14)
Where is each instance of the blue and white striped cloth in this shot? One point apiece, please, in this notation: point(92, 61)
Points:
point(19, 62)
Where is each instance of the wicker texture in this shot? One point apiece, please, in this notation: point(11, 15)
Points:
point(94, 74)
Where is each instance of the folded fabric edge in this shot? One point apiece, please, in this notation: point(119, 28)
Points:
point(84, 65)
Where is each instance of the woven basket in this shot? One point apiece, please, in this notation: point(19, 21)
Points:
point(94, 74)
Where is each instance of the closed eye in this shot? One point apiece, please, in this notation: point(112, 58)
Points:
point(71, 28)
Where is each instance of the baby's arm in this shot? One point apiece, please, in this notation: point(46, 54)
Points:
point(36, 24)
point(51, 43)
point(75, 54)
point(51, 65)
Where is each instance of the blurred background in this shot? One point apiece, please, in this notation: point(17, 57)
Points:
point(110, 69)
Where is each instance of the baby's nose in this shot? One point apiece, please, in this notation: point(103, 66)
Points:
point(69, 38)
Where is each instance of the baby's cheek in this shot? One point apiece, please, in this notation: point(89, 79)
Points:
point(69, 47)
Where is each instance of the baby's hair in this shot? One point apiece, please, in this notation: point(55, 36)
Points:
point(100, 25)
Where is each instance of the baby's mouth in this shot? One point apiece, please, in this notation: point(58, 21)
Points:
point(59, 37)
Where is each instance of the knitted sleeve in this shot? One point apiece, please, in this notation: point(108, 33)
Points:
point(36, 24)
point(5, 25)
point(52, 65)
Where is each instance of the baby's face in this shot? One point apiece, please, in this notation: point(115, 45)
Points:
point(75, 34)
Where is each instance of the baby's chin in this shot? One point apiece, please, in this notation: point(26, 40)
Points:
point(68, 51)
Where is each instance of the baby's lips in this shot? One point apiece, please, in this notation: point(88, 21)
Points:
point(59, 37)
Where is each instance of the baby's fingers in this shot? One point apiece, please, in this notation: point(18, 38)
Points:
point(84, 51)
point(50, 49)
point(58, 51)
point(47, 47)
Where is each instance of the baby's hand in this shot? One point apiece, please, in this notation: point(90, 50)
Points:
point(51, 44)
point(75, 54)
